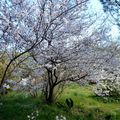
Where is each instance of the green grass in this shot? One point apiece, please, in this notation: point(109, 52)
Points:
point(85, 101)
point(16, 106)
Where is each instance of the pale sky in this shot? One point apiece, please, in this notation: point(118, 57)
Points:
point(96, 6)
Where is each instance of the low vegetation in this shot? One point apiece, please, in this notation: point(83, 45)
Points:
point(86, 106)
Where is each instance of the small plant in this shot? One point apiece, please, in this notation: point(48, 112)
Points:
point(33, 116)
point(61, 117)
point(69, 103)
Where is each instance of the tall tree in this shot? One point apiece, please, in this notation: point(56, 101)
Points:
point(25, 25)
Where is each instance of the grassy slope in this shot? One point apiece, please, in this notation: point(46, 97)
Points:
point(85, 100)
point(86, 107)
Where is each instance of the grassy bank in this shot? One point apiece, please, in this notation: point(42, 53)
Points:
point(16, 106)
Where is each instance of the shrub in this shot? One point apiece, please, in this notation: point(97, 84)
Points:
point(108, 88)
point(69, 103)
point(67, 106)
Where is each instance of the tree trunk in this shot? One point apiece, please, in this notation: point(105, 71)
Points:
point(49, 98)
point(5, 72)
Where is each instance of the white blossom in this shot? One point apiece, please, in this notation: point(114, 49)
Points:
point(6, 86)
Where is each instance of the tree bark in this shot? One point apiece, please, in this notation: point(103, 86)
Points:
point(50, 100)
